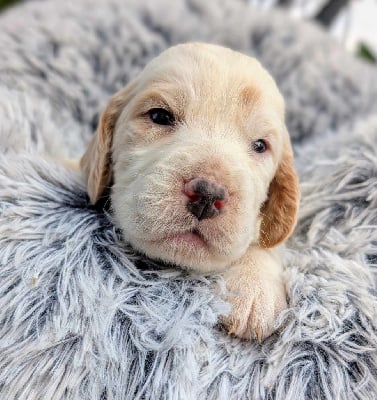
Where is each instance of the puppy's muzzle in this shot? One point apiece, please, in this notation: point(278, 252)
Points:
point(206, 198)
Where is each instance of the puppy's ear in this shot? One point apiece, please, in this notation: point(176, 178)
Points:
point(96, 162)
point(279, 212)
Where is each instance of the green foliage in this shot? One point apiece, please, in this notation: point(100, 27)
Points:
point(5, 3)
point(364, 52)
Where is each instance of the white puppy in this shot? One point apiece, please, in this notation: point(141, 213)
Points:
point(200, 166)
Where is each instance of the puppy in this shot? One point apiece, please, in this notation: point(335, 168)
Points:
point(200, 166)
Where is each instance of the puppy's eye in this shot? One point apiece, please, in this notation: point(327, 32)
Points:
point(260, 146)
point(161, 116)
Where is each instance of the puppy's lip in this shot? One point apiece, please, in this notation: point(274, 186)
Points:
point(190, 237)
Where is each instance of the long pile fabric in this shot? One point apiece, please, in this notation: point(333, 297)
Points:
point(82, 317)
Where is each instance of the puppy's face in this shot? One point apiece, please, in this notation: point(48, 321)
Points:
point(199, 159)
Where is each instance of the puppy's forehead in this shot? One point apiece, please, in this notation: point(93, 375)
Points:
point(212, 71)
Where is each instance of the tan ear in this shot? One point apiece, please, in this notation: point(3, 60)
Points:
point(279, 212)
point(96, 162)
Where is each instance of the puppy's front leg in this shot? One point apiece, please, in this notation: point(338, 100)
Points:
point(256, 292)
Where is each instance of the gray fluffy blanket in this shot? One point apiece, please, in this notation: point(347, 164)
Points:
point(81, 316)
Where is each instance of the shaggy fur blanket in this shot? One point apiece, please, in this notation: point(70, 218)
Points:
point(84, 318)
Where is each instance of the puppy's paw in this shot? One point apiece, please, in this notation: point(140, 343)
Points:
point(255, 306)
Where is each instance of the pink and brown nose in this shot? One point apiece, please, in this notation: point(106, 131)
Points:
point(205, 197)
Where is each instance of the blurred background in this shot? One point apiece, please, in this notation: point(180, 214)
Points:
point(352, 22)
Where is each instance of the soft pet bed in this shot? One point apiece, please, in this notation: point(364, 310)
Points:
point(84, 318)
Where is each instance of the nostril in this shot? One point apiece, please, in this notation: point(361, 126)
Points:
point(188, 189)
point(192, 191)
point(219, 204)
point(193, 197)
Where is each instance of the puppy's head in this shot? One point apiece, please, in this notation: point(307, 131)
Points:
point(198, 158)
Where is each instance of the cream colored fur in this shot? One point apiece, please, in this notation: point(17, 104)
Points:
point(222, 101)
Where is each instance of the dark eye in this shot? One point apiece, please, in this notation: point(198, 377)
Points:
point(259, 146)
point(161, 116)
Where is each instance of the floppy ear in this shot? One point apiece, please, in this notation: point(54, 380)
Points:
point(279, 212)
point(96, 161)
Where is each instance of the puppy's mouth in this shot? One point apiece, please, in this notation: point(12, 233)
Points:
point(191, 238)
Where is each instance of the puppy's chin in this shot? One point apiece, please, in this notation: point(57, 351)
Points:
point(188, 250)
